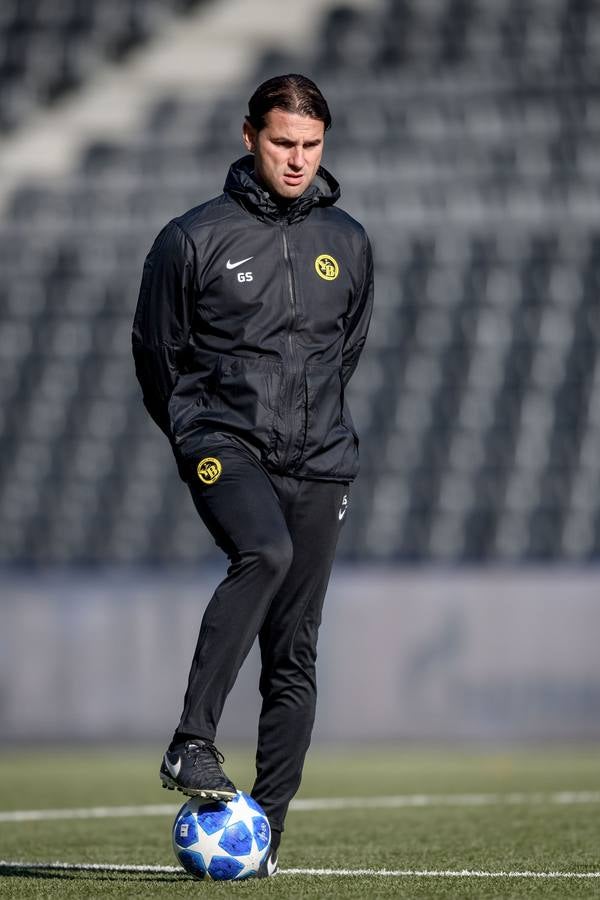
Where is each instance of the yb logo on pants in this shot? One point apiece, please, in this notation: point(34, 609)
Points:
point(209, 469)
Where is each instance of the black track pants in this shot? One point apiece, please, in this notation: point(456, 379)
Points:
point(280, 535)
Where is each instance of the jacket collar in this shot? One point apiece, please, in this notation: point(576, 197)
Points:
point(245, 190)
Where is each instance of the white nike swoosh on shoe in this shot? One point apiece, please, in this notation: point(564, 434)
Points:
point(271, 865)
point(173, 769)
point(234, 265)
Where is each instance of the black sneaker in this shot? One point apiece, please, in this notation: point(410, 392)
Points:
point(194, 768)
point(268, 866)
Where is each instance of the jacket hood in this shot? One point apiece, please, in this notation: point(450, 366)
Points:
point(242, 186)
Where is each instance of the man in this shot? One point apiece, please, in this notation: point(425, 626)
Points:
point(252, 314)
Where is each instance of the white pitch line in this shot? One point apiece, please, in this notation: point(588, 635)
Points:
point(433, 873)
point(560, 798)
point(93, 812)
point(18, 867)
point(417, 800)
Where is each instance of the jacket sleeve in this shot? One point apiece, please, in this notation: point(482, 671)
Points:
point(358, 318)
point(162, 320)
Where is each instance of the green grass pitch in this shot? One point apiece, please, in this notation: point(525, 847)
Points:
point(475, 829)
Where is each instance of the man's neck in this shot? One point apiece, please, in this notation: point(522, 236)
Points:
point(282, 203)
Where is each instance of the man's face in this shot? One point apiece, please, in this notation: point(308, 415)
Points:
point(287, 152)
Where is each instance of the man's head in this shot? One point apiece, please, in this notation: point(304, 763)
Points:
point(286, 122)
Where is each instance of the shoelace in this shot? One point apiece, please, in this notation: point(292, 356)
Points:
point(194, 748)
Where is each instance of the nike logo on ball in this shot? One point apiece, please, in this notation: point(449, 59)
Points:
point(234, 265)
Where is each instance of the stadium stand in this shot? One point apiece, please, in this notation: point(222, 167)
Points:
point(48, 48)
point(466, 138)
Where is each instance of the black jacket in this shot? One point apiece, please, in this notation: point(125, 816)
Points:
point(251, 319)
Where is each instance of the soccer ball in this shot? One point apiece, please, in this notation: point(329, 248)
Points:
point(221, 840)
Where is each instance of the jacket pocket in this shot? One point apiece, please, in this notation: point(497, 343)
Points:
point(246, 394)
point(232, 393)
point(186, 403)
point(329, 442)
point(346, 414)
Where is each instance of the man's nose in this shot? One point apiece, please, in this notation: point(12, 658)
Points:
point(297, 158)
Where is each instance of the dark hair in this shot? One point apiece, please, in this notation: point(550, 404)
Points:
point(292, 93)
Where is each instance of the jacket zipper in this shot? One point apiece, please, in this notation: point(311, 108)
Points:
point(293, 370)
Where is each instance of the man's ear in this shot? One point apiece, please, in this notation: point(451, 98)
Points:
point(249, 134)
